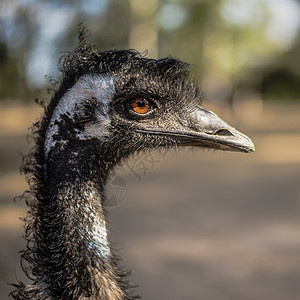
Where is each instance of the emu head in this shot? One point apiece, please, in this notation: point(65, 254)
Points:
point(115, 103)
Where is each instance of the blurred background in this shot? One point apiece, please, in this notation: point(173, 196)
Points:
point(195, 225)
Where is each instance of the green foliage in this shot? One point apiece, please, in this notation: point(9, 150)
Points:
point(226, 48)
point(12, 84)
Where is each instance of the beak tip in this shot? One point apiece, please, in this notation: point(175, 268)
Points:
point(251, 148)
point(246, 143)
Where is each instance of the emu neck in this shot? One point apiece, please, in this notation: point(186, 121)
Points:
point(74, 249)
point(82, 214)
point(75, 261)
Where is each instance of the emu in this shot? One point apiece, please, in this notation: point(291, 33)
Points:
point(109, 105)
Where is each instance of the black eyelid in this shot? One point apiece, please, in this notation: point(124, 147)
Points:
point(151, 101)
point(141, 99)
point(128, 97)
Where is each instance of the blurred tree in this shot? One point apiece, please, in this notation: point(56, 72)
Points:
point(228, 40)
point(107, 20)
point(281, 80)
point(182, 29)
point(10, 78)
point(143, 26)
point(17, 29)
point(260, 57)
point(225, 38)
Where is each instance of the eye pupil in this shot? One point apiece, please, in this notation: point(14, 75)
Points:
point(142, 103)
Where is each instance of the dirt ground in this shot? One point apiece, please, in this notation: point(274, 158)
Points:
point(203, 225)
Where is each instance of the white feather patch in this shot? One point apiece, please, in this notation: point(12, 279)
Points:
point(99, 86)
point(96, 235)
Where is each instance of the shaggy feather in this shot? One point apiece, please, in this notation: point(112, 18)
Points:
point(88, 128)
point(62, 258)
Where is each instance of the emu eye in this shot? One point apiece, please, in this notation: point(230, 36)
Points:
point(140, 105)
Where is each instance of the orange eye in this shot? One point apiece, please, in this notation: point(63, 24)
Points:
point(140, 105)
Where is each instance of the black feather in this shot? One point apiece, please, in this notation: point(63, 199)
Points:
point(58, 269)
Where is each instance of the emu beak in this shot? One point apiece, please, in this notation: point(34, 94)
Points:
point(203, 128)
point(209, 131)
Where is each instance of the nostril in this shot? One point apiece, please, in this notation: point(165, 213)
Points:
point(223, 132)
